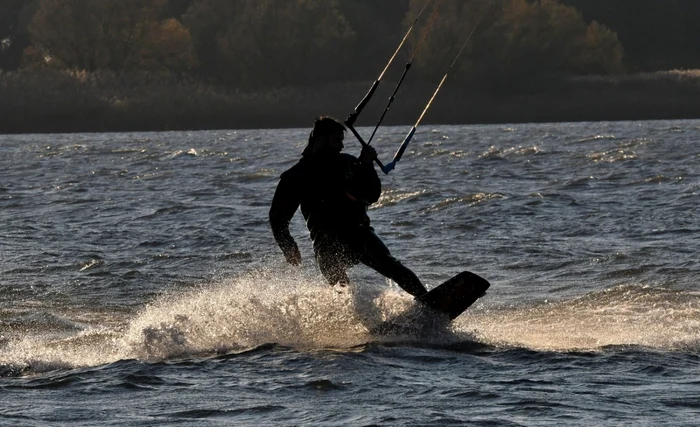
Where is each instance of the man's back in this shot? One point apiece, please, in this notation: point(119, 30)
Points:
point(333, 193)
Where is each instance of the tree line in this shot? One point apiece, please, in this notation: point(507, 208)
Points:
point(656, 35)
point(276, 43)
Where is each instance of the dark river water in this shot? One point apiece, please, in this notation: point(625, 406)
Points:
point(140, 283)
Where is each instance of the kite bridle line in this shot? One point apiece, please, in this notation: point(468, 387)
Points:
point(352, 117)
point(405, 71)
point(391, 165)
point(350, 121)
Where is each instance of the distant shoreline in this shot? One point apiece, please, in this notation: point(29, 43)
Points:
point(77, 102)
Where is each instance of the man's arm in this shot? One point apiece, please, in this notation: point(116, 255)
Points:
point(370, 185)
point(284, 205)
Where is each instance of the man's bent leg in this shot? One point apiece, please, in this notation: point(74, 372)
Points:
point(331, 260)
point(376, 255)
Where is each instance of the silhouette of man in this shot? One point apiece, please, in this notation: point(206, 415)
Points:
point(334, 190)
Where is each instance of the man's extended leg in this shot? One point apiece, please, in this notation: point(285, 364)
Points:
point(374, 254)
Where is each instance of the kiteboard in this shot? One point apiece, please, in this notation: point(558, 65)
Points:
point(435, 309)
point(455, 295)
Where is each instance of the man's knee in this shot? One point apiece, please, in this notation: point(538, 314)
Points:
point(334, 272)
point(332, 265)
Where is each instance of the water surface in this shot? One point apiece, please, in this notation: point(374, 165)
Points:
point(140, 283)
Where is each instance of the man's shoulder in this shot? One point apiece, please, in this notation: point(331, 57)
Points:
point(306, 168)
point(299, 170)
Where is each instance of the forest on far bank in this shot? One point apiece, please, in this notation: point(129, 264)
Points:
point(159, 64)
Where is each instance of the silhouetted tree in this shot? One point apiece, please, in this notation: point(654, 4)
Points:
point(377, 26)
point(269, 42)
point(114, 35)
point(14, 17)
point(517, 41)
point(176, 9)
point(658, 35)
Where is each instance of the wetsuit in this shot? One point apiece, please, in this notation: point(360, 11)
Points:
point(334, 192)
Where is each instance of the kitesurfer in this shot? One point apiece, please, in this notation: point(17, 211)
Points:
point(334, 190)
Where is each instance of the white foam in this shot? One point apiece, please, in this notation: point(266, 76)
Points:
point(245, 313)
point(621, 316)
point(300, 312)
point(232, 315)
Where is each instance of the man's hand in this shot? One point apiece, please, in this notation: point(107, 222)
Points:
point(293, 257)
point(367, 155)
